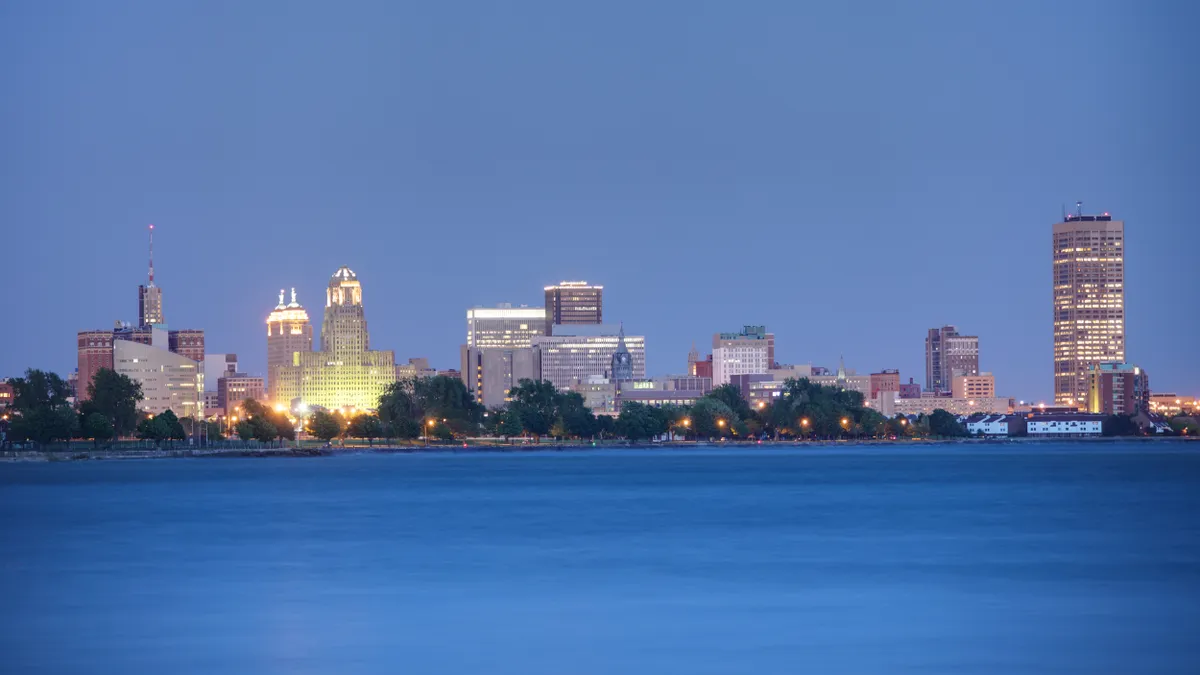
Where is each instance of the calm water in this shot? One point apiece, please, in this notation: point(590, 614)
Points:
point(1059, 559)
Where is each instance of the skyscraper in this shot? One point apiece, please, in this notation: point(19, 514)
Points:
point(345, 373)
point(150, 307)
point(504, 326)
point(1089, 301)
point(948, 354)
point(580, 352)
point(288, 331)
point(573, 302)
point(746, 353)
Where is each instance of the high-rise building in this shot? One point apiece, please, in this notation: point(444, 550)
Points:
point(1118, 389)
point(288, 331)
point(489, 373)
point(948, 354)
point(188, 343)
point(150, 307)
point(746, 353)
point(579, 352)
point(504, 326)
point(1089, 301)
point(346, 372)
point(95, 347)
point(982, 385)
point(573, 302)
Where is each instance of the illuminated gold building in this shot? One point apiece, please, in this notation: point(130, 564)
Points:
point(288, 331)
point(1089, 301)
point(345, 373)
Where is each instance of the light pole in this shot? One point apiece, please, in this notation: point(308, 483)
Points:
point(803, 427)
point(429, 424)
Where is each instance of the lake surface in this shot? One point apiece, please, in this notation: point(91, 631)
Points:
point(1072, 558)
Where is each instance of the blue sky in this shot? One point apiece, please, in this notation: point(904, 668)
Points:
point(849, 174)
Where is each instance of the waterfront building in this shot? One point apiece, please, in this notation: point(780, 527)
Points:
point(572, 303)
point(1065, 426)
point(490, 373)
point(233, 388)
point(169, 381)
point(982, 385)
point(885, 381)
point(956, 406)
point(95, 348)
point(948, 354)
point(746, 353)
point(576, 352)
point(346, 372)
point(996, 425)
point(1169, 404)
point(212, 402)
point(1089, 301)
point(1118, 389)
point(289, 331)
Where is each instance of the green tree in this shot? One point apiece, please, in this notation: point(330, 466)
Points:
point(508, 424)
point(731, 396)
point(115, 396)
point(536, 402)
point(638, 421)
point(711, 418)
point(44, 424)
point(578, 421)
point(871, 424)
point(409, 404)
point(154, 429)
point(325, 425)
point(39, 389)
point(98, 428)
point(245, 430)
point(365, 426)
point(942, 423)
point(1120, 425)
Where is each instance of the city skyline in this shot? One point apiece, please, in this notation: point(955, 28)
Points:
point(529, 155)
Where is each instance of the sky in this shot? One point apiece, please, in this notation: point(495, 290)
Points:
point(849, 174)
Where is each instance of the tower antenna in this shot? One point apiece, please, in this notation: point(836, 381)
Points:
point(1079, 208)
point(151, 254)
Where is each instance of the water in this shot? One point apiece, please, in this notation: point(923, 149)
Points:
point(1055, 559)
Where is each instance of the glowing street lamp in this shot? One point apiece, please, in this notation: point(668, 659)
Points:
point(430, 424)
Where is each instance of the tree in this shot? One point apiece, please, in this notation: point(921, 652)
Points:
point(638, 421)
point(711, 418)
point(1120, 425)
point(325, 425)
point(365, 426)
point(871, 424)
point(536, 402)
point(44, 424)
point(578, 421)
point(942, 423)
point(153, 429)
point(731, 396)
point(39, 389)
point(408, 405)
point(509, 423)
point(97, 427)
point(174, 428)
point(244, 430)
point(115, 396)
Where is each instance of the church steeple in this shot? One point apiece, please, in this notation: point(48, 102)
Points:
point(622, 360)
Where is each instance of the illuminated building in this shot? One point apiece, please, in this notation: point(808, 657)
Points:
point(573, 302)
point(169, 381)
point(6, 394)
point(1118, 389)
point(746, 353)
point(233, 388)
point(346, 372)
point(498, 353)
point(217, 366)
point(1089, 301)
point(504, 326)
point(579, 352)
point(948, 354)
point(150, 307)
point(952, 405)
point(95, 348)
point(416, 367)
point(982, 385)
point(288, 331)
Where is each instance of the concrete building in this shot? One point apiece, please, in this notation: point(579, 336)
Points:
point(910, 390)
point(212, 403)
point(169, 381)
point(504, 326)
point(1065, 426)
point(217, 366)
point(746, 353)
point(956, 406)
point(948, 354)
point(233, 388)
point(415, 368)
point(572, 303)
point(982, 385)
point(996, 425)
point(1118, 389)
point(346, 372)
point(95, 348)
point(1089, 301)
point(577, 352)
point(1170, 404)
point(490, 372)
point(885, 381)
point(289, 331)
point(187, 343)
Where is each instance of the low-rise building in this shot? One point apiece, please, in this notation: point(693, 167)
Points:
point(910, 390)
point(1065, 426)
point(887, 380)
point(956, 406)
point(996, 425)
point(6, 394)
point(982, 385)
point(233, 388)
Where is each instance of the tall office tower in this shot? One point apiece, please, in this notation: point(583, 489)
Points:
point(746, 353)
point(947, 355)
point(150, 309)
point(345, 373)
point(288, 331)
point(504, 326)
point(1089, 301)
point(573, 302)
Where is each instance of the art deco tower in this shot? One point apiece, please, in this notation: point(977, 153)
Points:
point(344, 330)
point(1089, 301)
point(288, 331)
point(150, 308)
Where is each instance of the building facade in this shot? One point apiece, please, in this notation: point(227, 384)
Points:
point(95, 348)
point(746, 353)
point(910, 389)
point(289, 331)
point(490, 372)
point(982, 385)
point(573, 303)
point(1061, 426)
point(1089, 301)
point(233, 388)
point(346, 373)
point(217, 366)
point(578, 352)
point(415, 368)
point(1118, 389)
point(504, 326)
point(948, 354)
point(885, 381)
point(169, 381)
point(956, 406)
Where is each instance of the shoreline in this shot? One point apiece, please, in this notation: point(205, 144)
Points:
point(87, 454)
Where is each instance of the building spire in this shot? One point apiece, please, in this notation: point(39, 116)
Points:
point(280, 305)
point(151, 254)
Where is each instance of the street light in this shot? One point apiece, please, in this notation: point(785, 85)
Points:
point(429, 424)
